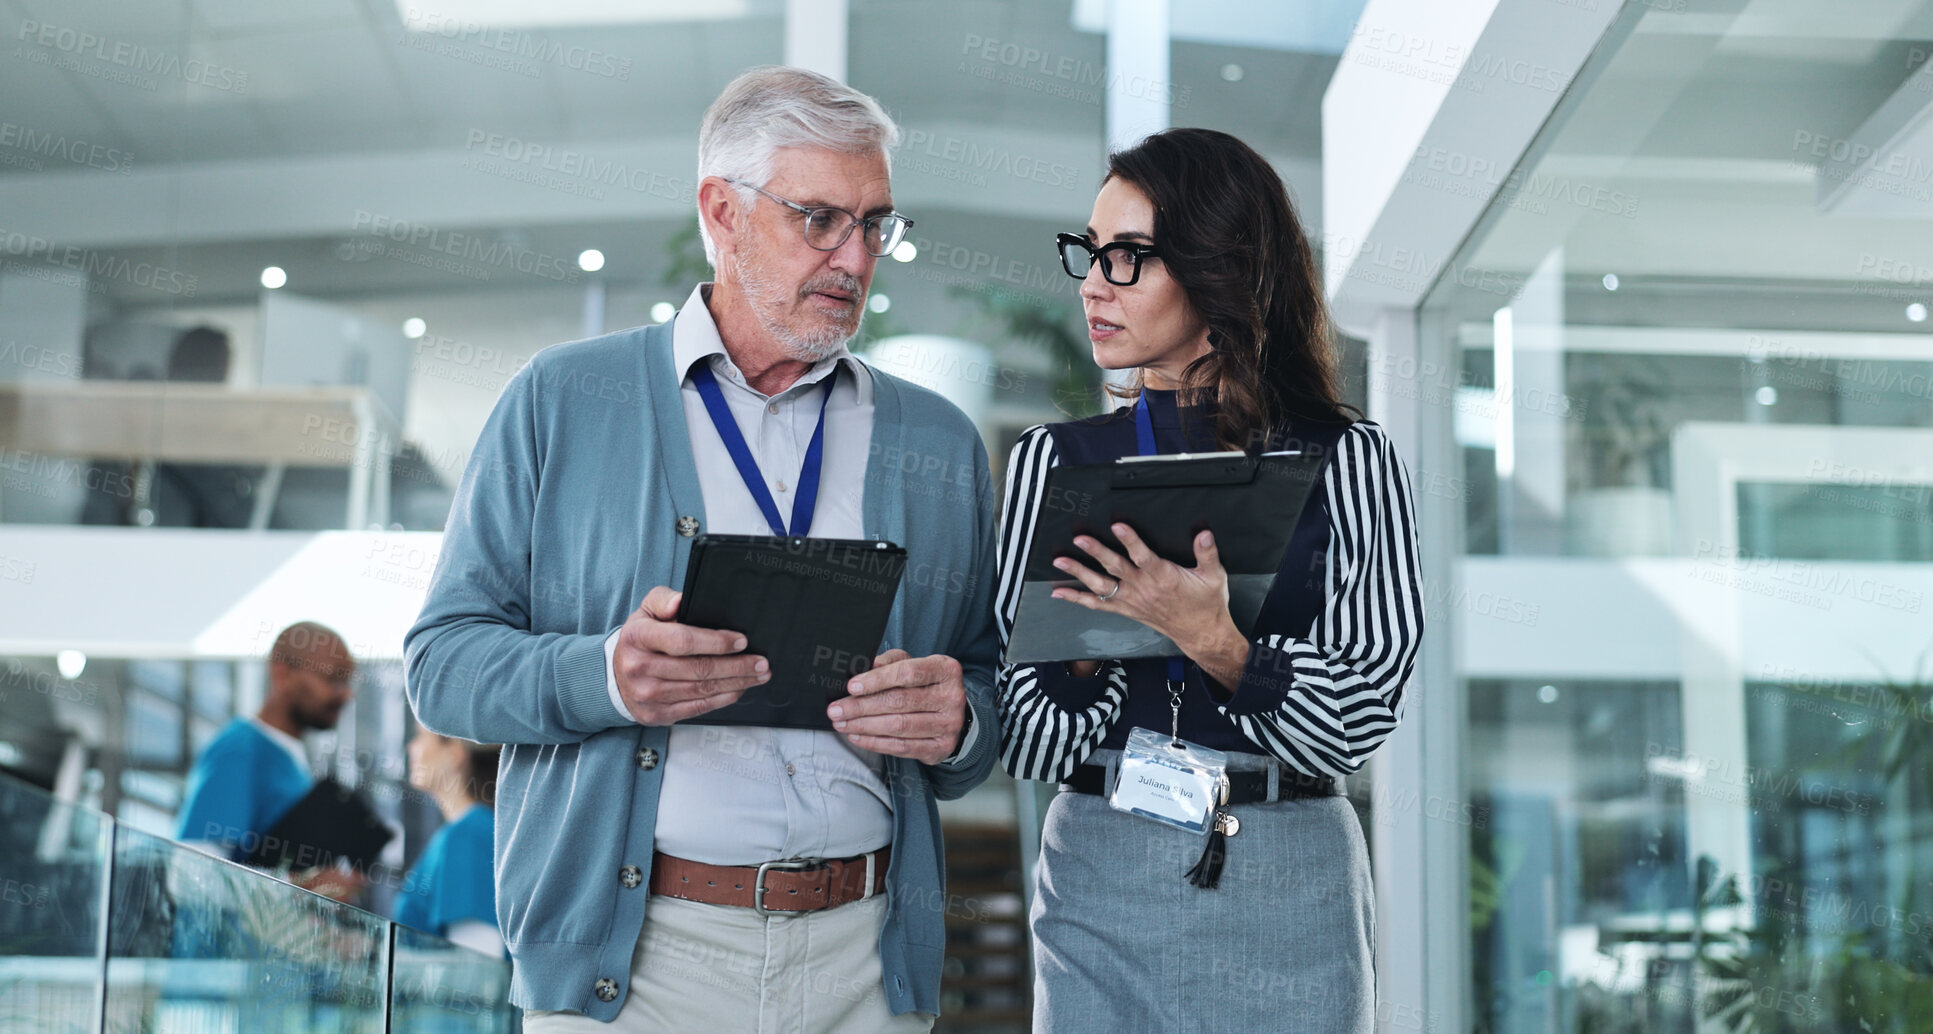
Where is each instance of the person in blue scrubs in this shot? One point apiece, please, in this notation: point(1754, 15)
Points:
point(256, 768)
point(451, 891)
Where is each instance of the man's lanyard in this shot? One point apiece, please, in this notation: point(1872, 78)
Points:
point(808, 487)
point(1144, 442)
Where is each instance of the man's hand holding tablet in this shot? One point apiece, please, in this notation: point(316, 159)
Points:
point(906, 706)
point(667, 672)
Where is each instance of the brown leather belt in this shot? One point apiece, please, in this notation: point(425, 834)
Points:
point(798, 885)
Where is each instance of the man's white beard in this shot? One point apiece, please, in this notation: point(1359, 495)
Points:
point(767, 297)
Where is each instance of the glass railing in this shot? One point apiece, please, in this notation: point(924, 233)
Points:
point(104, 928)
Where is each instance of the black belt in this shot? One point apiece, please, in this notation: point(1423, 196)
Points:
point(1245, 787)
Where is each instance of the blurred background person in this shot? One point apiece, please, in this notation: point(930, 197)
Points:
point(256, 769)
point(451, 891)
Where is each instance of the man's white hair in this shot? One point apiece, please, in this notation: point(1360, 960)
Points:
point(773, 106)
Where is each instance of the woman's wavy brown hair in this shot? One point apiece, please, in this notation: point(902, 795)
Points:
point(1229, 235)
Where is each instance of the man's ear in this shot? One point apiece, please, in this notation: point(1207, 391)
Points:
point(719, 209)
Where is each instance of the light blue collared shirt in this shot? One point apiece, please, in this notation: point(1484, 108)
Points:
point(789, 793)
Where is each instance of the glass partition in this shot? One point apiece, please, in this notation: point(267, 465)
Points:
point(199, 943)
point(439, 988)
point(193, 943)
point(54, 861)
point(1692, 402)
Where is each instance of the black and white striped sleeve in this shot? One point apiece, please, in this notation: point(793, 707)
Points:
point(1050, 721)
point(1323, 703)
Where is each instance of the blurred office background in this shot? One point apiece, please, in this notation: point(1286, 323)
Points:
point(1641, 289)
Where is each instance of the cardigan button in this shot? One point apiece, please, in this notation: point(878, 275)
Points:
point(605, 989)
point(630, 876)
point(687, 526)
point(647, 758)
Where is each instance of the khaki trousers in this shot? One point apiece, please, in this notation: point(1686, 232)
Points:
point(715, 969)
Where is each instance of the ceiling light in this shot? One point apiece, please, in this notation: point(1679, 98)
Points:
point(1548, 694)
point(71, 663)
point(274, 277)
point(1610, 281)
point(663, 311)
point(1916, 312)
point(590, 260)
point(1767, 396)
point(465, 20)
point(414, 327)
point(879, 303)
point(905, 251)
point(1232, 73)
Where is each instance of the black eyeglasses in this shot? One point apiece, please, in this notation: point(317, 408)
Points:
point(1120, 261)
point(827, 228)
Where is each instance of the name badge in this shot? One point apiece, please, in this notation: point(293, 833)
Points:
point(1171, 781)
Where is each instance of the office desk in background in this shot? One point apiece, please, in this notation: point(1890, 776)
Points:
point(336, 427)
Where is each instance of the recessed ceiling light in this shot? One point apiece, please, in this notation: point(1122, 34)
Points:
point(1232, 73)
point(879, 303)
point(1610, 281)
point(663, 311)
point(274, 277)
point(1916, 312)
point(414, 327)
point(590, 260)
point(71, 663)
point(1767, 396)
point(905, 251)
point(1548, 694)
point(472, 20)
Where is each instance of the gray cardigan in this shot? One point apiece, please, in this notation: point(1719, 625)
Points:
point(567, 514)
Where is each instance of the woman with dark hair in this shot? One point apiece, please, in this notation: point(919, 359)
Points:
point(1197, 276)
point(452, 890)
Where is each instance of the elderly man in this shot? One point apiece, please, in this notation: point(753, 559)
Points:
point(630, 845)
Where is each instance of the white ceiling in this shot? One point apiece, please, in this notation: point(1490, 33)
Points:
point(1702, 123)
point(343, 110)
point(1695, 118)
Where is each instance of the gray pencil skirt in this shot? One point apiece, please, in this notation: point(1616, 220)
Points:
point(1124, 943)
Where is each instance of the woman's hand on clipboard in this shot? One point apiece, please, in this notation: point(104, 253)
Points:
point(1187, 604)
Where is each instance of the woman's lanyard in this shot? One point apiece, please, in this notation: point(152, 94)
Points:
point(1205, 767)
point(721, 418)
point(1177, 667)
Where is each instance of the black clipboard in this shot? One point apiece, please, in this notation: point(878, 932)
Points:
point(331, 821)
point(1251, 503)
point(816, 609)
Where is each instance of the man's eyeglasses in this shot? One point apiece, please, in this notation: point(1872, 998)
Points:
point(827, 228)
point(1120, 261)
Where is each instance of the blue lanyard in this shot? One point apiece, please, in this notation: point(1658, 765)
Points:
point(1145, 446)
point(722, 419)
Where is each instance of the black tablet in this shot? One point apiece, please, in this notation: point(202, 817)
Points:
point(1251, 503)
point(331, 821)
point(816, 609)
